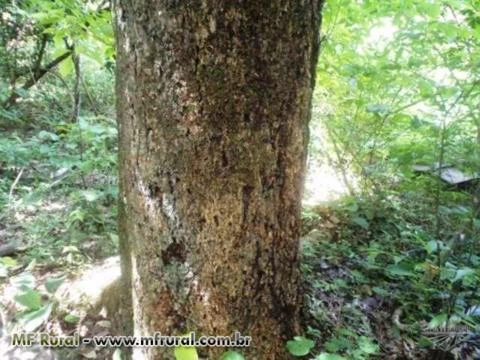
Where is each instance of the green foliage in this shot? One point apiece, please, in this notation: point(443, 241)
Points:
point(6, 263)
point(52, 284)
point(31, 321)
point(87, 24)
point(387, 84)
point(83, 155)
point(300, 346)
point(397, 87)
point(71, 318)
point(29, 298)
point(394, 264)
point(327, 356)
point(38, 41)
point(36, 306)
point(185, 353)
point(357, 347)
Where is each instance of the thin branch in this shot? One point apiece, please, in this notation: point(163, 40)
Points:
point(38, 62)
point(36, 77)
point(14, 184)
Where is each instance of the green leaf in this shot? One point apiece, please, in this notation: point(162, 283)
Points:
point(448, 273)
point(66, 67)
point(300, 346)
point(437, 321)
point(400, 269)
point(32, 320)
point(433, 10)
point(424, 342)
point(360, 221)
point(24, 281)
point(8, 261)
point(380, 291)
point(90, 195)
point(52, 284)
point(367, 345)
point(432, 246)
point(71, 318)
point(29, 298)
point(327, 356)
point(185, 353)
point(232, 355)
point(70, 249)
point(351, 205)
point(463, 272)
point(336, 344)
point(476, 222)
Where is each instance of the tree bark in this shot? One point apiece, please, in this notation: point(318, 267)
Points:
point(213, 107)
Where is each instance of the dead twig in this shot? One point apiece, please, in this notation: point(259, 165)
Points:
point(14, 184)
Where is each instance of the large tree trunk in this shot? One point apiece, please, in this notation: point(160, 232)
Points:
point(213, 108)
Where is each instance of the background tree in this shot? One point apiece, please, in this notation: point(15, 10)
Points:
point(213, 108)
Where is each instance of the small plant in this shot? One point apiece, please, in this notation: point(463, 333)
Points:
point(35, 306)
point(232, 355)
point(300, 346)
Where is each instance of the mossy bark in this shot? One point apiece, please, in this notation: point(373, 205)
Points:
point(213, 108)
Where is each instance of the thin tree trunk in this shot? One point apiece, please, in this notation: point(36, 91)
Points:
point(93, 105)
point(213, 108)
point(77, 98)
point(76, 87)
